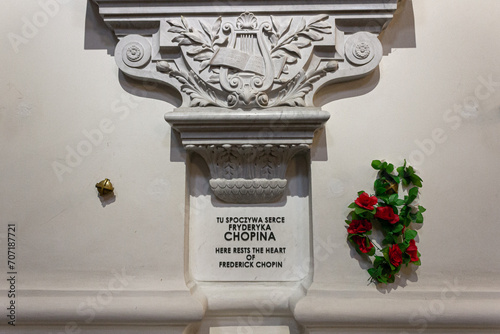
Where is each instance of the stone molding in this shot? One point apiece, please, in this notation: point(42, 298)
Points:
point(323, 310)
point(248, 174)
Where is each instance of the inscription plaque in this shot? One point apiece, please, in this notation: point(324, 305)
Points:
point(231, 242)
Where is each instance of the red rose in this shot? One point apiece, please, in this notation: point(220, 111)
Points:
point(365, 201)
point(395, 255)
point(386, 213)
point(361, 242)
point(359, 226)
point(412, 251)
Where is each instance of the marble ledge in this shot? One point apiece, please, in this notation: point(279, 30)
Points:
point(437, 309)
point(107, 307)
point(268, 126)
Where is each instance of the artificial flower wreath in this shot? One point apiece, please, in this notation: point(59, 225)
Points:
point(394, 215)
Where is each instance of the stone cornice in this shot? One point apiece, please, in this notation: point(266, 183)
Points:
point(215, 126)
point(125, 16)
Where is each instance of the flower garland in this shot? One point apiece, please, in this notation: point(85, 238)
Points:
point(394, 215)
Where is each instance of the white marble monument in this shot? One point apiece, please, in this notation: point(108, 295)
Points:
point(247, 73)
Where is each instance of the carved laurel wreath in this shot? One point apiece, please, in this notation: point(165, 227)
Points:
point(276, 39)
point(395, 217)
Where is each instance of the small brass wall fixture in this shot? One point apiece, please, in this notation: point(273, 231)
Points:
point(104, 187)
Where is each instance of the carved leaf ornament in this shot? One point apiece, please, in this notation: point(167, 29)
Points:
point(248, 173)
point(248, 64)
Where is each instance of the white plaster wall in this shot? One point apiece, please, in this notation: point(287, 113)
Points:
point(52, 90)
point(412, 106)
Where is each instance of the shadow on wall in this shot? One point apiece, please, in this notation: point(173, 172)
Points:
point(98, 36)
point(399, 34)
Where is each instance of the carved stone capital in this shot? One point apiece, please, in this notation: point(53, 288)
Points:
point(248, 173)
point(247, 74)
point(249, 61)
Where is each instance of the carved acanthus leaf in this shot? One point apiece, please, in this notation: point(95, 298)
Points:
point(302, 37)
point(191, 84)
point(297, 88)
point(202, 46)
point(248, 173)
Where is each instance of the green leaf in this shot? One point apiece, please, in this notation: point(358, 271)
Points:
point(421, 209)
point(394, 178)
point(379, 187)
point(417, 263)
point(372, 252)
point(410, 234)
point(378, 261)
point(420, 218)
point(376, 164)
point(386, 228)
point(393, 198)
point(382, 279)
point(389, 169)
point(399, 202)
point(389, 239)
point(398, 228)
point(416, 180)
point(392, 267)
point(385, 252)
point(352, 205)
point(359, 210)
point(384, 198)
point(412, 195)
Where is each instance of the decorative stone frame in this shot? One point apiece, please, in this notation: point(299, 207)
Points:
point(247, 118)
